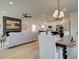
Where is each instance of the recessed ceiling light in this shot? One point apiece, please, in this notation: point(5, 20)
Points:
point(42, 15)
point(64, 9)
point(4, 12)
point(10, 2)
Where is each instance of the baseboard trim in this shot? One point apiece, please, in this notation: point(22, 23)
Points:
point(21, 44)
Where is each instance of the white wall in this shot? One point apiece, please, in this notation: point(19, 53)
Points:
point(27, 24)
point(1, 26)
point(74, 24)
point(73, 52)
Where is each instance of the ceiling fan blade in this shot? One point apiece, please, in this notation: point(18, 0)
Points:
point(26, 16)
point(29, 16)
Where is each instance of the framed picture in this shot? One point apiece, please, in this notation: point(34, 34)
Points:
point(11, 24)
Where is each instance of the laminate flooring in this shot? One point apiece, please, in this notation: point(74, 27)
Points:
point(20, 52)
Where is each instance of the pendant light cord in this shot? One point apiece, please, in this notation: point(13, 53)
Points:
point(58, 9)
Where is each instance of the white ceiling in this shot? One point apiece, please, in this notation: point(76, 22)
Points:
point(36, 7)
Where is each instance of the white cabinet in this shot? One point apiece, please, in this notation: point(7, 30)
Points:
point(72, 53)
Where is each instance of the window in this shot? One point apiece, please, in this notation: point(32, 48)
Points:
point(33, 28)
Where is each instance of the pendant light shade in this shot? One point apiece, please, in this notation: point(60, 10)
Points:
point(58, 14)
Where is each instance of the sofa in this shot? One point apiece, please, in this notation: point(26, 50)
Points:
point(17, 38)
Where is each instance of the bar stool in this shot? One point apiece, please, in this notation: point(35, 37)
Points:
point(2, 40)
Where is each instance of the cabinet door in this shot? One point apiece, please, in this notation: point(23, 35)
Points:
point(72, 53)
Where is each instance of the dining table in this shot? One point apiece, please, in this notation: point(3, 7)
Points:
point(64, 42)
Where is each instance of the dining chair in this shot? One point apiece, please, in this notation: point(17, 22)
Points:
point(2, 40)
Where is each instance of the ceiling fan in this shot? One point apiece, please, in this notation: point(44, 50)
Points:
point(25, 15)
